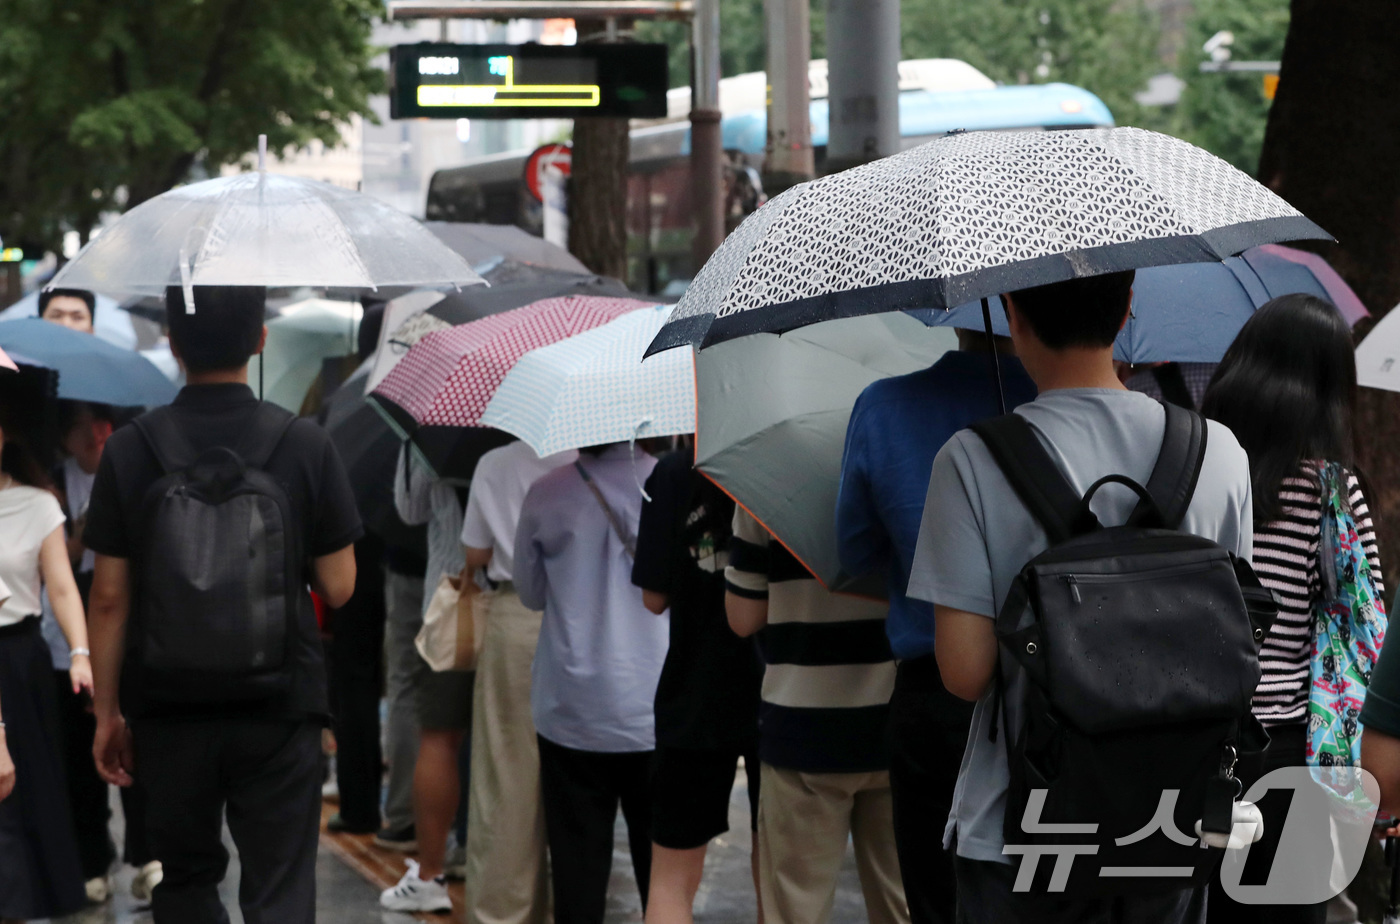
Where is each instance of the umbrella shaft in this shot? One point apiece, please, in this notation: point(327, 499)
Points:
point(996, 363)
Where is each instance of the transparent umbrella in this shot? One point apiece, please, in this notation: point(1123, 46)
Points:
point(266, 230)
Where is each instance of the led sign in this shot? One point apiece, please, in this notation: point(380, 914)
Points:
point(435, 80)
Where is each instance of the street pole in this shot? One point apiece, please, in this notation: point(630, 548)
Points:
point(862, 52)
point(788, 157)
point(706, 141)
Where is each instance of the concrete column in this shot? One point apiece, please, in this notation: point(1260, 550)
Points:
point(706, 142)
point(788, 159)
point(862, 49)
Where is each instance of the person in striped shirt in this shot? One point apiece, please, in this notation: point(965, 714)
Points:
point(1287, 388)
point(823, 733)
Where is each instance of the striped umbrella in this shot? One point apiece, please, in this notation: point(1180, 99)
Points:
point(446, 380)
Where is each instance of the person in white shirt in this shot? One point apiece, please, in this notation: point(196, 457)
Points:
point(506, 868)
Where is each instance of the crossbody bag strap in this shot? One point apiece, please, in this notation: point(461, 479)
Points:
point(629, 543)
point(1035, 477)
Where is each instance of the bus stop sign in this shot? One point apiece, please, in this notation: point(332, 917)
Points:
point(437, 80)
point(558, 156)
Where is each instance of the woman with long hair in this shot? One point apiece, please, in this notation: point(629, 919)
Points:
point(40, 872)
point(1287, 389)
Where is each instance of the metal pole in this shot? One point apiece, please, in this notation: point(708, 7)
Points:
point(862, 51)
point(788, 159)
point(539, 9)
point(706, 142)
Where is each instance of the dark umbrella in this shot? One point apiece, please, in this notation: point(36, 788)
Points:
point(481, 244)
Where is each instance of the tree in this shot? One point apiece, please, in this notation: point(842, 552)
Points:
point(110, 102)
point(1329, 150)
point(598, 187)
point(1225, 113)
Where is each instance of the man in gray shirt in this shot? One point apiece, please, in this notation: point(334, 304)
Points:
point(976, 536)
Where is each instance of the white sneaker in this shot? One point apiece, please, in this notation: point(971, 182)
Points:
point(413, 894)
point(146, 880)
point(98, 889)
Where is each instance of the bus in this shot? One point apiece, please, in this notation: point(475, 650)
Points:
point(936, 96)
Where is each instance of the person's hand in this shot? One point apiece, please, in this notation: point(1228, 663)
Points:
point(7, 770)
point(80, 672)
point(112, 751)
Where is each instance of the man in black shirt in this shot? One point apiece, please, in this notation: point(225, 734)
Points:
point(707, 697)
point(260, 756)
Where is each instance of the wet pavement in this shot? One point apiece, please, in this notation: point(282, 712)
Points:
point(350, 873)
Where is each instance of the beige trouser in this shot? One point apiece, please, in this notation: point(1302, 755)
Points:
point(507, 879)
point(803, 821)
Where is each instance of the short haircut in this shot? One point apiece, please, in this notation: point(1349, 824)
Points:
point(1084, 312)
point(48, 295)
point(223, 331)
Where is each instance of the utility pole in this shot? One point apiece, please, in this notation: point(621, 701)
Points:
point(862, 53)
point(788, 158)
point(706, 141)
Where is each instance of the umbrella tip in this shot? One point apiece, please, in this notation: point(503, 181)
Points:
point(262, 153)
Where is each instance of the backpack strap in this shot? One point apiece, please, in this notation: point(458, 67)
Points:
point(264, 434)
point(165, 439)
point(1178, 468)
point(1035, 477)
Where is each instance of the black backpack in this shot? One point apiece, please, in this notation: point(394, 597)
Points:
point(219, 571)
point(1140, 645)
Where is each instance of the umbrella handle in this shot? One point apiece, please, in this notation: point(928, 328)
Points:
point(996, 363)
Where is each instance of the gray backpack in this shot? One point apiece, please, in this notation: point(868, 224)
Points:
point(219, 572)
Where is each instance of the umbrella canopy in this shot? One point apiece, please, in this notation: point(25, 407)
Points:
point(410, 317)
point(297, 341)
point(590, 389)
point(1378, 356)
point(1191, 312)
point(484, 245)
point(772, 416)
point(265, 230)
point(89, 368)
point(971, 215)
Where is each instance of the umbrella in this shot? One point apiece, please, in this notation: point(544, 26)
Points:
point(29, 396)
point(1378, 356)
point(446, 379)
point(109, 321)
point(484, 246)
point(265, 230)
point(89, 368)
point(1191, 312)
point(7, 364)
point(780, 457)
point(589, 389)
point(973, 214)
point(297, 340)
point(512, 286)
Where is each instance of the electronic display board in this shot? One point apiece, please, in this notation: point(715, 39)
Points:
point(443, 81)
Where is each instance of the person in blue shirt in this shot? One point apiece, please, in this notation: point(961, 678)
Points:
point(897, 427)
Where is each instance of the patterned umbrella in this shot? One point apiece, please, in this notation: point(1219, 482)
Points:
point(590, 389)
point(973, 214)
point(447, 378)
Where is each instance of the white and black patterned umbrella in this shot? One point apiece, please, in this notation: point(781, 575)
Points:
point(972, 215)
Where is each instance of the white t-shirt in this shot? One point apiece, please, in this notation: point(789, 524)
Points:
point(27, 516)
point(499, 485)
point(4, 592)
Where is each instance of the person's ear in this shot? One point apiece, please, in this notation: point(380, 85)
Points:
point(262, 341)
point(1013, 320)
point(1127, 314)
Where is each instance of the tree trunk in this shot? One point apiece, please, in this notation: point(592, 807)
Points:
point(598, 187)
point(1329, 150)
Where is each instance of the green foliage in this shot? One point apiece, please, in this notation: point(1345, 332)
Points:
point(1225, 113)
point(116, 100)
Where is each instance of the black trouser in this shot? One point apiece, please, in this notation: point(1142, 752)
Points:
point(87, 792)
point(268, 774)
point(930, 728)
point(581, 792)
point(357, 678)
point(137, 848)
point(1287, 748)
point(986, 896)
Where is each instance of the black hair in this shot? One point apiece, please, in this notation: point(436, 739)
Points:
point(48, 295)
point(1087, 311)
point(223, 331)
point(1287, 389)
point(71, 412)
point(18, 459)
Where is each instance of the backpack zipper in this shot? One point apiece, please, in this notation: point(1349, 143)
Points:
point(1072, 581)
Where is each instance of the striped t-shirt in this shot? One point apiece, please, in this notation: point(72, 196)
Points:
point(1286, 560)
point(826, 688)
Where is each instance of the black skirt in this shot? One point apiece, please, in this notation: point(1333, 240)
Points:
point(40, 873)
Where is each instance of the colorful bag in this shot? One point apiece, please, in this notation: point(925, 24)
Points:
point(1349, 623)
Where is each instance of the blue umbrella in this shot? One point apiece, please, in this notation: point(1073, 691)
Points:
point(1187, 312)
point(89, 368)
